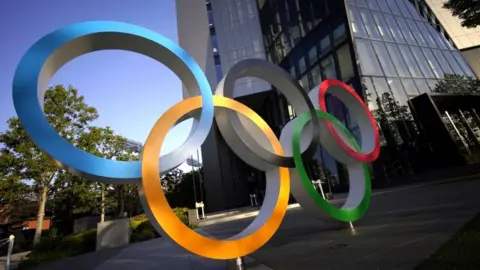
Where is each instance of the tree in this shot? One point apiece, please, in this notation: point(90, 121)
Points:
point(171, 180)
point(468, 11)
point(458, 84)
point(14, 194)
point(70, 116)
point(103, 142)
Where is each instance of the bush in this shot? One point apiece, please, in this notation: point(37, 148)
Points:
point(55, 248)
point(52, 249)
point(142, 228)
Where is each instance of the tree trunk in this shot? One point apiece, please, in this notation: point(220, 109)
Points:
point(102, 203)
point(40, 216)
point(121, 201)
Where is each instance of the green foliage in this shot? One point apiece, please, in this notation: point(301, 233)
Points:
point(467, 10)
point(457, 84)
point(182, 195)
point(142, 229)
point(53, 249)
point(182, 214)
point(69, 115)
point(103, 142)
point(14, 196)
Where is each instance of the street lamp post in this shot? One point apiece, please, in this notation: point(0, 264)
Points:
point(196, 163)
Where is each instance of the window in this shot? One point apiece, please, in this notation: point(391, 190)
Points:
point(432, 84)
point(328, 68)
point(422, 62)
point(319, 9)
point(370, 94)
point(316, 76)
point(291, 112)
point(372, 4)
point(306, 14)
point(216, 58)
point(410, 87)
point(416, 32)
point(301, 65)
point(324, 45)
point(413, 11)
point(295, 33)
point(406, 31)
point(292, 72)
point(384, 59)
point(422, 86)
point(383, 6)
point(361, 3)
point(382, 26)
point(402, 69)
point(453, 63)
point(339, 34)
point(432, 61)
point(431, 42)
point(392, 24)
point(218, 70)
point(403, 8)
point(214, 43)
point(358, 28)
point(443, 62)
point(410, 61)
point(369, 24)
point(304, 82)
point(398, 91)
point(436, 35)
point(463, 64)
point(393, 7)
point(383, 92)
point(345, 62)
point(312, 55)
point(210, 18)
point(368, 60)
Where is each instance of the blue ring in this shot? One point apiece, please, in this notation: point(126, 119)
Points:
point(30, 113)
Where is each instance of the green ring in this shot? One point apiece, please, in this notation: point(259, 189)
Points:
point(346, 215)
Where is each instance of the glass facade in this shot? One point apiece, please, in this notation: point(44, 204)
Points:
point(312, 42)
point(401, 54)
point(213, 38)
point(389, 51)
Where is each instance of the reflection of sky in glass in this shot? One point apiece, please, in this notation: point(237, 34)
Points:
point(421, 51)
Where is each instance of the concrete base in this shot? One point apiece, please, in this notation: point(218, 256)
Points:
point(113, 233)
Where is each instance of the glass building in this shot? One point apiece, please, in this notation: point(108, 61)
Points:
point(387, 50)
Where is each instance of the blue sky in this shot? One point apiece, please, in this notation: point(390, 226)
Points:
point(130, 91)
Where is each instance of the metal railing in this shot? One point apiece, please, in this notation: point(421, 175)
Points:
point(8, 241)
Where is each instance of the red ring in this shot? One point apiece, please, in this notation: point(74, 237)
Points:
point(322, 91)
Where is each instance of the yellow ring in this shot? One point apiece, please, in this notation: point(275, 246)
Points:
point(166, 218)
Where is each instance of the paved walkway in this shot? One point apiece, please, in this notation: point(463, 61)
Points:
point(400, 230)
point(16, 258)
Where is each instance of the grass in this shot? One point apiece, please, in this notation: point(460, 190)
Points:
point(461, 252)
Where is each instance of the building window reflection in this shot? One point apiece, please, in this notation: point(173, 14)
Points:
point(368, 60)
point(386, 50)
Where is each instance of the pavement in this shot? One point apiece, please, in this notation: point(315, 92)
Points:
point(400, 230)
point(402, 227)
point(15, 259)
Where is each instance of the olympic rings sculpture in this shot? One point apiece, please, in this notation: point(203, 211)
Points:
point(281, 159)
